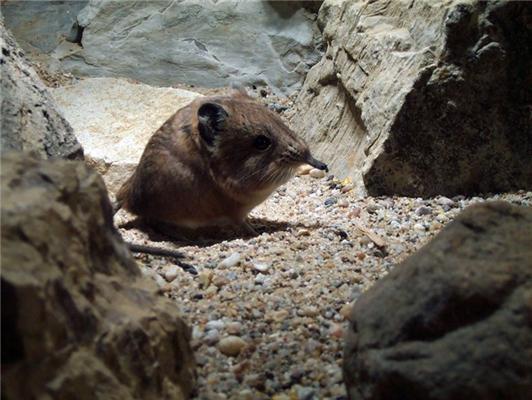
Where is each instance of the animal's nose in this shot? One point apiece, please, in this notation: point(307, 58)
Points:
point(317, 164)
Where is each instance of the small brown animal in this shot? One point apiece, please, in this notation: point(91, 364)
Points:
point(212, 162)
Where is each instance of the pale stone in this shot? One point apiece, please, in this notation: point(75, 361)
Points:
point(231, 345)
point(113, 119)
point(317, 173)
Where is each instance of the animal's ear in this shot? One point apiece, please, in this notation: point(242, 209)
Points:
point(211, 117)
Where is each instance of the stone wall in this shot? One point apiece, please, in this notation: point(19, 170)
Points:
point(164, 42)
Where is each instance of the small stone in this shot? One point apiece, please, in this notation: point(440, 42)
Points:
point(230, 261)
point(220, 281)
point(305, 393)
point(336, 330)
point(171, 273)
point(445, 201)
point(205, 279)
point(234, 328)
point(211, 291)
point(419, 227)
point(304, 170)
point(343, 203)
point(309, 311)
point(317, 173)
point(423, 211)
point(211, 337)
point(303, 232)
point(260, 278)
point(372, 208)
point(231, 345)
point(355, 212)
point(214, 324)
point(347, 188)
point(330, 201)
point(261, 267)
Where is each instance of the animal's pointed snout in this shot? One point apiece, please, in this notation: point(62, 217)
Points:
point(316, 163)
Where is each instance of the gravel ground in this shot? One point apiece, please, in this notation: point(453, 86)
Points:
point(268, 312)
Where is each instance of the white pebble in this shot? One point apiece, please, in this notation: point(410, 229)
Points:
point(230, 261)
point(304, 170)
point(317, 173)
point(171, 273)
point(214, 324)
point(419, 227)
point(261, 267)
point(231, 345)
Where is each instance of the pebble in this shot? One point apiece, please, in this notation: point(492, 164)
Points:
point(445, 201)
point(234, 328)
point(260, 279)
point(345, 311)
point(343, 203)
point(304, 169)
point(419, 227)
point(303, 232)
point(355, 212)
point(231, 345)
point(305, 393)
point(347, 188)
point(219, 281)
point(205, 279)
point(217, 324)
point(423, 211)
point(261, 267)
point(317, 173)
point(336, 330)
point(171, 273)
point(211, 337)
point(230, 261)
point(330, 201)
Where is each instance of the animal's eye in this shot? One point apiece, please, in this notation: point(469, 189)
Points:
point(262, 142)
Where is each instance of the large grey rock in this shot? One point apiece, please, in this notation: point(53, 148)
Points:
point(114, 119)
point(206, 43)
point(29, 117)
point(423, 98)
point(42, 25)
point(79, 320)
point(454, 321)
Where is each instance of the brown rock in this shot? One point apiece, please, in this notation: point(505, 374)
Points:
point(79, 321)
point(454, 320)
point(422, 98)
point(30, 120)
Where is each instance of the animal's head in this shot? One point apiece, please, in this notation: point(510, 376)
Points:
point(249, 147)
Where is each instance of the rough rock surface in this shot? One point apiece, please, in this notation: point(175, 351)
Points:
point(207, 43)
point(114, 119)
point(79, 321)
point(423, 98)
point(41, 25)
point(29, 117)
point(452, 321)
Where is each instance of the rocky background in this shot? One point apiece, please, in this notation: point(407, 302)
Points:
point(350, 290)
